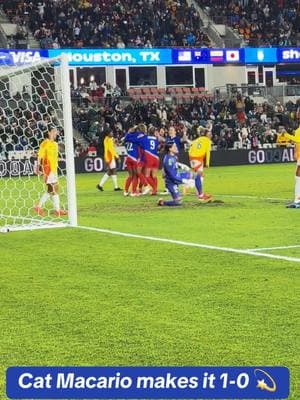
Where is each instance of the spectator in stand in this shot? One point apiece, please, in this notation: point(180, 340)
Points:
point(261, 23)
point(259, 126)
point(69, 23)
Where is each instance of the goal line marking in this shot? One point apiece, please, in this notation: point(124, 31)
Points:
point(191, 244)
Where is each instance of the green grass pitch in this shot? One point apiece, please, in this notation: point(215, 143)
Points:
point(78, 297)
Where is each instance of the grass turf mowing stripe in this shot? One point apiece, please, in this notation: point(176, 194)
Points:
point(275, 248)
point(191, 244)
point(251, 197)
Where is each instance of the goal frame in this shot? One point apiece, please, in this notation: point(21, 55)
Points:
point(71, 221)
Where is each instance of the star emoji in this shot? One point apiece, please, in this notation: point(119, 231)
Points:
point(261, 384)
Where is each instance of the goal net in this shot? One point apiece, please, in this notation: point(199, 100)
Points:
point(34, 101)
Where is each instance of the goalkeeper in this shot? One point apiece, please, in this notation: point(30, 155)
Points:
point(171, 176)
point(296, 139)
point(48, 165)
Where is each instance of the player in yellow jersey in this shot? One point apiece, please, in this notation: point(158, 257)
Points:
point(296, 139)
point(110, 157)
point(199, 154)
point(48, 166)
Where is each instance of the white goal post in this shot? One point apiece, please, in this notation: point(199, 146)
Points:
point(34, 100)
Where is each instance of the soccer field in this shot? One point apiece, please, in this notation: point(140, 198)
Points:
point(222, 289)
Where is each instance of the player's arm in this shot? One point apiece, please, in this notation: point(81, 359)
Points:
point(292, 138)
point(207, 155)
point(184, 138)
point(113, 150)
point(184, 167)
point(128, 137)
point(134, 138)
point(40, 157)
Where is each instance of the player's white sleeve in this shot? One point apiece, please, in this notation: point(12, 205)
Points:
point(183, 166)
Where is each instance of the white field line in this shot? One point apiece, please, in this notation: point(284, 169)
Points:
point(191, 244)
point(274, 248)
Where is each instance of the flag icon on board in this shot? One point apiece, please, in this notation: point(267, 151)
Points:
point(232, 55)
point(216, 55)
point(185, 56)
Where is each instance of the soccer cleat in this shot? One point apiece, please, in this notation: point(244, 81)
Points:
point(39, 211)
point(60, 213)
point(160, 202)
point(117, 189)
point(135, 194)
point(146, 190)
point(154, 194)
point(205, 198)
point(293, 205)
point(99, 188)
point(126, 194)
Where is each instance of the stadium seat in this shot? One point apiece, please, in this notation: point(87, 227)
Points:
point(131, 92)
point(171, 90)
point(161, 91)
point(146, 90)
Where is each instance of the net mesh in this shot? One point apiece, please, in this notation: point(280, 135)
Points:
point(30, 104)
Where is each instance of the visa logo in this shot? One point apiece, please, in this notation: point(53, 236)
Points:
point(291, 54)
point(25, 57)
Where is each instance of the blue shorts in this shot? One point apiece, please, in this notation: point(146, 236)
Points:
point(185, 175)
point(174, 191)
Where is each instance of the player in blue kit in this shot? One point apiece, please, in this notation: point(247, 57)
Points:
point(149, 143)
point(172, 177)
point(132, 158)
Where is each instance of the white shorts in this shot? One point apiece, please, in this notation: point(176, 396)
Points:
point(196, 165)
point(112, 164)
point(51, 179)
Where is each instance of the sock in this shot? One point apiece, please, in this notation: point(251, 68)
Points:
point(115, 181)
point(150, 181)
point(55, 199)
point(142, 180)
point(128, 183)
point(297, 189)
point(172, 203)
point(134, 183)
point(198, 184)
point(104, 179)
point(43, 199)
point(155, 181)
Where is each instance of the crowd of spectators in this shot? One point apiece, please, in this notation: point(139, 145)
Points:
point(24, 120)
point(116, 23)
point(236, 123)
point(261, 22)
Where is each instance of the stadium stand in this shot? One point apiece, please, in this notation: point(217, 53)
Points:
point(91, 23)
point(236, 123)
point(261, 23)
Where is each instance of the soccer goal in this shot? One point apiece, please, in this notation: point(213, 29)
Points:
point(37, 176)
